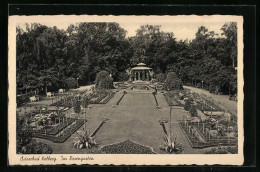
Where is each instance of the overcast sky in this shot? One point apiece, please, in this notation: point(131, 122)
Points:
point(181, 30)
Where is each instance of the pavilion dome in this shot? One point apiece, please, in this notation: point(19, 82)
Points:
point(141, 64)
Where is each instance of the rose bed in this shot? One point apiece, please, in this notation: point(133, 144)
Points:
point(126, 147)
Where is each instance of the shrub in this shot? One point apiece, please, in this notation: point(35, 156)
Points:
point(103, 80)
point(71, 83)
point(212, 87)
point(85, 101)
point(22, 99)
point(187, 105)
point(172, 82)
point(77, 106)
point(160, 77)
point(193, 111)
point(24, 136)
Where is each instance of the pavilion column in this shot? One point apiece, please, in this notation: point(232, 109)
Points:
point(143, 75)
point(147, 75)
point(138, 75)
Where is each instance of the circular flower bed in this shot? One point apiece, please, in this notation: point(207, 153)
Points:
point(126, 147)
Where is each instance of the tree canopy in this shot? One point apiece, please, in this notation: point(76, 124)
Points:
point(49, 58)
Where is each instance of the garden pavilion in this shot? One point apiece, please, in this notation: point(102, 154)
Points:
point(141, 72)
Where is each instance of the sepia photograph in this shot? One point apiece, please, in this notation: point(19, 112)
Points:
point(124, 88)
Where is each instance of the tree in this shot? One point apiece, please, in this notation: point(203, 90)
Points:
point(187, 105)
point(160, 77)
point(103, 80)
point(70, 83)
point(172, 82)
point(230, 32)
point(193, 111)
point(123, 76)
point(77, 107)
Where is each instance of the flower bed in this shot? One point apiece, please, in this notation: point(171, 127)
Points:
point(223, 150)
point(213, 141)
point(167, 98)
point(172, 101)
point(67, 132)
point(194, 141)
point(66, 101)
point(126, 147)
point(55, 130)
point(107, 98)
point(98, 96)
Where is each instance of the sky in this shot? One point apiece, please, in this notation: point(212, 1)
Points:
point(181, 30)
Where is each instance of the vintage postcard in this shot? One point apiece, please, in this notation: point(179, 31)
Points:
point(125, 90)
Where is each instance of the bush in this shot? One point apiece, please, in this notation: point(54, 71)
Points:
point(193, 111)
point(160, 77)
point(22, 99)
point(71, 83)
point(187, 105)
point(172, 82)
point(103, 80)
point(85, 101)
point(77, 106)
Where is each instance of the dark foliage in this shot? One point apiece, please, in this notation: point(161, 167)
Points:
point(126, 147)
point(103, 80)
point(172, 82)
point(47, 56)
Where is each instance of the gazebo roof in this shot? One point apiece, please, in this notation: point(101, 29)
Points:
point(141, 66)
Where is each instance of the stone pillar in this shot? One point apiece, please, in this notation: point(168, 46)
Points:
point(138, 75)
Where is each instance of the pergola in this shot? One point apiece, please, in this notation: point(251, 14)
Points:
point(141, 72)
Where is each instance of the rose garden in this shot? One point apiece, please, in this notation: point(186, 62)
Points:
point(87, 90)
point(127, 117)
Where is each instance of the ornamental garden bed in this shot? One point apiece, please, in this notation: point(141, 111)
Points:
point(107, 98)
point(66, 101)
point(97, 97)
point(101, 97)
point(193, 140)
point(63, 135)
point(126, 147)
point(204, 135)
point(172, 101)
